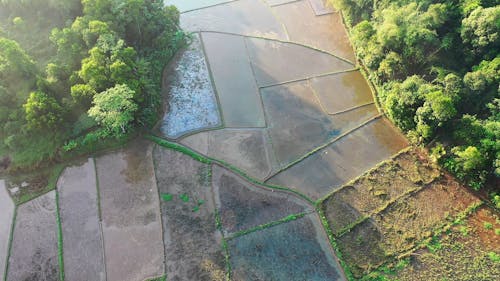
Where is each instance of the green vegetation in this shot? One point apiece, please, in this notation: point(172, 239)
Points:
point(268, 225)
point(167, 197)
point(436, 67)
point(75, 74)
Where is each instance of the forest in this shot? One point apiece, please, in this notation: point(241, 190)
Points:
point(75, 74)
point(436, 67)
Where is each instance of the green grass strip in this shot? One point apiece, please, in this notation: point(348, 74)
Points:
point(161, 278)
point(347, 270)
point(225, 247)
point(9, 247)
point(207, 160)
point(268, 225)
point(60, 250)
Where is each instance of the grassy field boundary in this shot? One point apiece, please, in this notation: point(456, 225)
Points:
point(9, 246)
point(60, 243)
point(224, 245)
point(54, 174)
point(261, 227)
point(208, 160)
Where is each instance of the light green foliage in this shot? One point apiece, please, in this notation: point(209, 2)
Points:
point(114, 109)
point(42, 111)
point(481, 30)
point(167, 197)
point(494, 257)
point(488, 225)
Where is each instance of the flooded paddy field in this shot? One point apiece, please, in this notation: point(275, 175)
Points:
point(33, 253)
point(6, 219)
point(192, 242)
point(192, 104)
point(244, 206)
point(131, 219)
point(296, 250)
point(81, 229)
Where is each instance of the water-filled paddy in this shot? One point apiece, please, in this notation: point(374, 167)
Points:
point(234, 81)
point(192, 104)
point(244, 17)
point(296, 250)
point(130, 214)
point(243, 205)
point(81, 230)
point(33, 255)
point(188, 5)
point(192, 242)
point(6, 217)
point(325, 32)
point(343, 160)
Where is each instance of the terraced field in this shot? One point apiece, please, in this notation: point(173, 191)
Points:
point(272, 162)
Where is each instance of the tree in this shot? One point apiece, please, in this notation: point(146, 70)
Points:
point(470, 159)
point(481, 31)
point(42, 111)
point(115, 108)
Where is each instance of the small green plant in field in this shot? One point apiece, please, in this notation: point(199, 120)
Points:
point(434, 244)
point(167, 197)
point(488, 225)
point(184, 197)
point(464, 230)
point(198, 205)
point(163, 278)
point(497, 231)
point(494, 257)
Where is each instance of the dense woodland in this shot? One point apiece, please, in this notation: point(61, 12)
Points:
point(74, 73)
point(436, 64)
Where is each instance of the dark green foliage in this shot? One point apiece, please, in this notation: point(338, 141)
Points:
point(436, 65)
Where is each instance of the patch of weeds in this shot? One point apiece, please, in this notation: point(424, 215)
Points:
point(494, 257)
point(497, 231)
point(488, 225)
point(464, 230)
point(184, 197)
point(268, 225)
point(166, 197)
point(198, 205)
point(434, 244)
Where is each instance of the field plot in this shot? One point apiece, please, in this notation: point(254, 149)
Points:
point(325, 32)
point(321, 7)
point(192, 104)
point(405, 223)
point(192, 242)
point(278, 2)
point(296, 250)
point(188, 5)
point(130, 214)
point(6, 217)
point(236, 86)
point(34, 246)
point(276, 62)
point(403, 174)
point(465, 253)
point(243, 206)
point(342, 91)
point(297, 123)
point(348, 157)
point(244, 17)
point(82, 235)
point(246, 149)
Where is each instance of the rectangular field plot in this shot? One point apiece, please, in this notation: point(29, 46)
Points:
point(243, 205)
point(324, 32)
point(296, 250)
point(81, 229)
point(192, 242)
point(244, 17)
point(298, 124)
point(405, 223)
point(34, 246)
point(277, 62)
point(342, 91)
point(372, 192)
point(321, 7)
point(6, 217)
point(130, 214)
point(345, 159)
point(192, 104)
point(236, 87)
